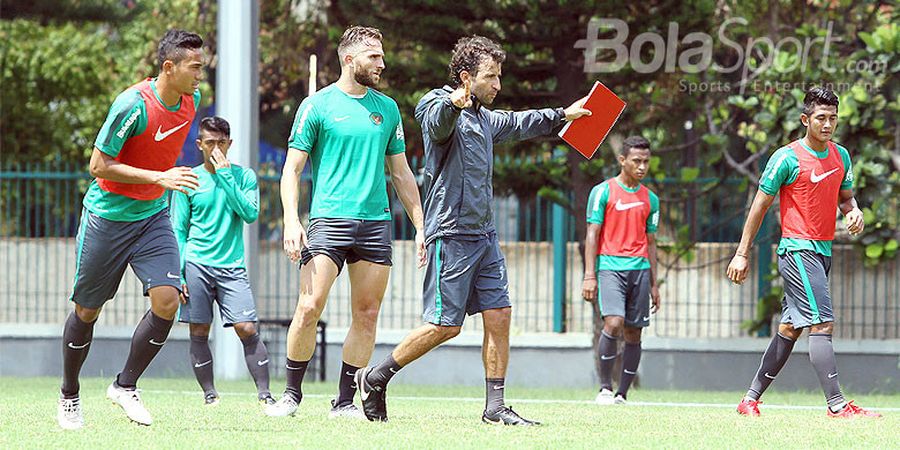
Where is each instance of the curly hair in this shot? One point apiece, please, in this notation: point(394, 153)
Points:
point(469, 52)
point(357, 35)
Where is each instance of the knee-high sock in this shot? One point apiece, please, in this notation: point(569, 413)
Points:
point(77, 336)
point(295, 372)
point(631, 358)
point(148, 339)
point(821, 355)
point(607, 359)
point(202, 362)
point(772, 362)
point(257, 359)
point(346, 385)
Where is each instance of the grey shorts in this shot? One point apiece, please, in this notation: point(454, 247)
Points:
point(348, 240)
point(625, 293)
point(807, 299)
point(230, 288)
point(105, 248)
point(465, 275)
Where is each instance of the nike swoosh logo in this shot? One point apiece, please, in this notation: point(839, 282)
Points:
point(626, 206)
point(202, 364)
point(646, 318)
point(247, 313)
point(291, 368)
point(817, 178)
point(262, 363)
point(768, 376)
point(607, 358)
point(392, 370)
point(629, 372)
point(358, 378)
point(78, 347)
point(832, 375)
point(174, 277)
point(350, 374)
point(497, 388)
point(160, 135)
point(341, 119)
point(157, 343)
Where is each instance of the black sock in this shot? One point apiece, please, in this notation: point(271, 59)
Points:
point(257, 358)
point(607, 359)
point(346, 386)
point(295, 372)
point(201, 361)
point(631, 358)
point(821, 355)
point(493, 393)
point(77, 336)
point(383, 372)
point(148, 339)
point(772, 362)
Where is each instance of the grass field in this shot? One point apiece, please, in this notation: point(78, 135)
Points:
point(437, 417)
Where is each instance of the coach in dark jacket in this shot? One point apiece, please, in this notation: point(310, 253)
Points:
point(466, 271)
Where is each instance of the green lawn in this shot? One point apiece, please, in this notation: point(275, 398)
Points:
point(434, 417)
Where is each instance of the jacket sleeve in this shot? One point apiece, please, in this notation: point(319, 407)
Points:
point(437, 115)
point(521, 125)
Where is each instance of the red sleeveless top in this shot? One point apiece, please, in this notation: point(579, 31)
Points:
point(624, 231)
point(809, 204)
point(158, 147)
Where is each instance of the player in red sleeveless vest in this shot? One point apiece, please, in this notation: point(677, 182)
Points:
point(622, 217)
point(126, 223)
point(814, 179)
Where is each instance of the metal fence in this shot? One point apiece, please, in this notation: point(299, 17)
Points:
point(41, 205)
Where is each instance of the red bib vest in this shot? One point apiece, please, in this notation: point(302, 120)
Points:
point(809, 204)
point(624, 231)
point(157, 148)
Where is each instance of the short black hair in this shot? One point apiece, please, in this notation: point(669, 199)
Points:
point(469, 52)
point(819, 96)
point(634, 142)
point(173, 43)
point(215, 124)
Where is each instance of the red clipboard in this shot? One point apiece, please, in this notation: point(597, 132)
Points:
point(585, 134)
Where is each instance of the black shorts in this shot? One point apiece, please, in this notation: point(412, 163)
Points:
point(350, 240)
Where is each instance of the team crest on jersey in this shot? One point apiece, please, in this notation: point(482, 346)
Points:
point(376, 118)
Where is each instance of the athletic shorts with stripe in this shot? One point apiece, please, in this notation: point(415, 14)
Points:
point(807, 299)
point(350, 240)
point(465, 275)
point(105, 249)
point(625, 293)
point(229, 287)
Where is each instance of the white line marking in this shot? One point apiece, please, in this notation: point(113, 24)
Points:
point(531, 400)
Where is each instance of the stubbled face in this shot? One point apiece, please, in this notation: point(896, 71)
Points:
point(208, 141)
point(486, 83)
point(368, 63)
point(637, 163)
point(820, 125)
point(187, 73)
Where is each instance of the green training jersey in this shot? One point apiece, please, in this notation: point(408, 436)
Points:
point(209, 222)
point(347, 139)
point(783, 169)
point(626, 236)
point(127, 117)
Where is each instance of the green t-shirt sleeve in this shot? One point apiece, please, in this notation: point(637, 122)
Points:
point(596, 206)
point(397, 142)
point(653, 218)
point(305, 129)
point(180, 214)
point(127, 117)
point(848, 169)
point(781, 169)
point(243, 199)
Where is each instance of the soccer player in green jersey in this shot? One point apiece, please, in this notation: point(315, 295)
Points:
point(126, 221)
point(620, 263)
point(814, 179)
point(347, 131)
point(208, 224)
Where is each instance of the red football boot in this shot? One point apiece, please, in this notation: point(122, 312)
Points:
point(748, 407)
point(851, 411)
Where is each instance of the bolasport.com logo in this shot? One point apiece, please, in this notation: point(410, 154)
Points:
point(697, 52)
